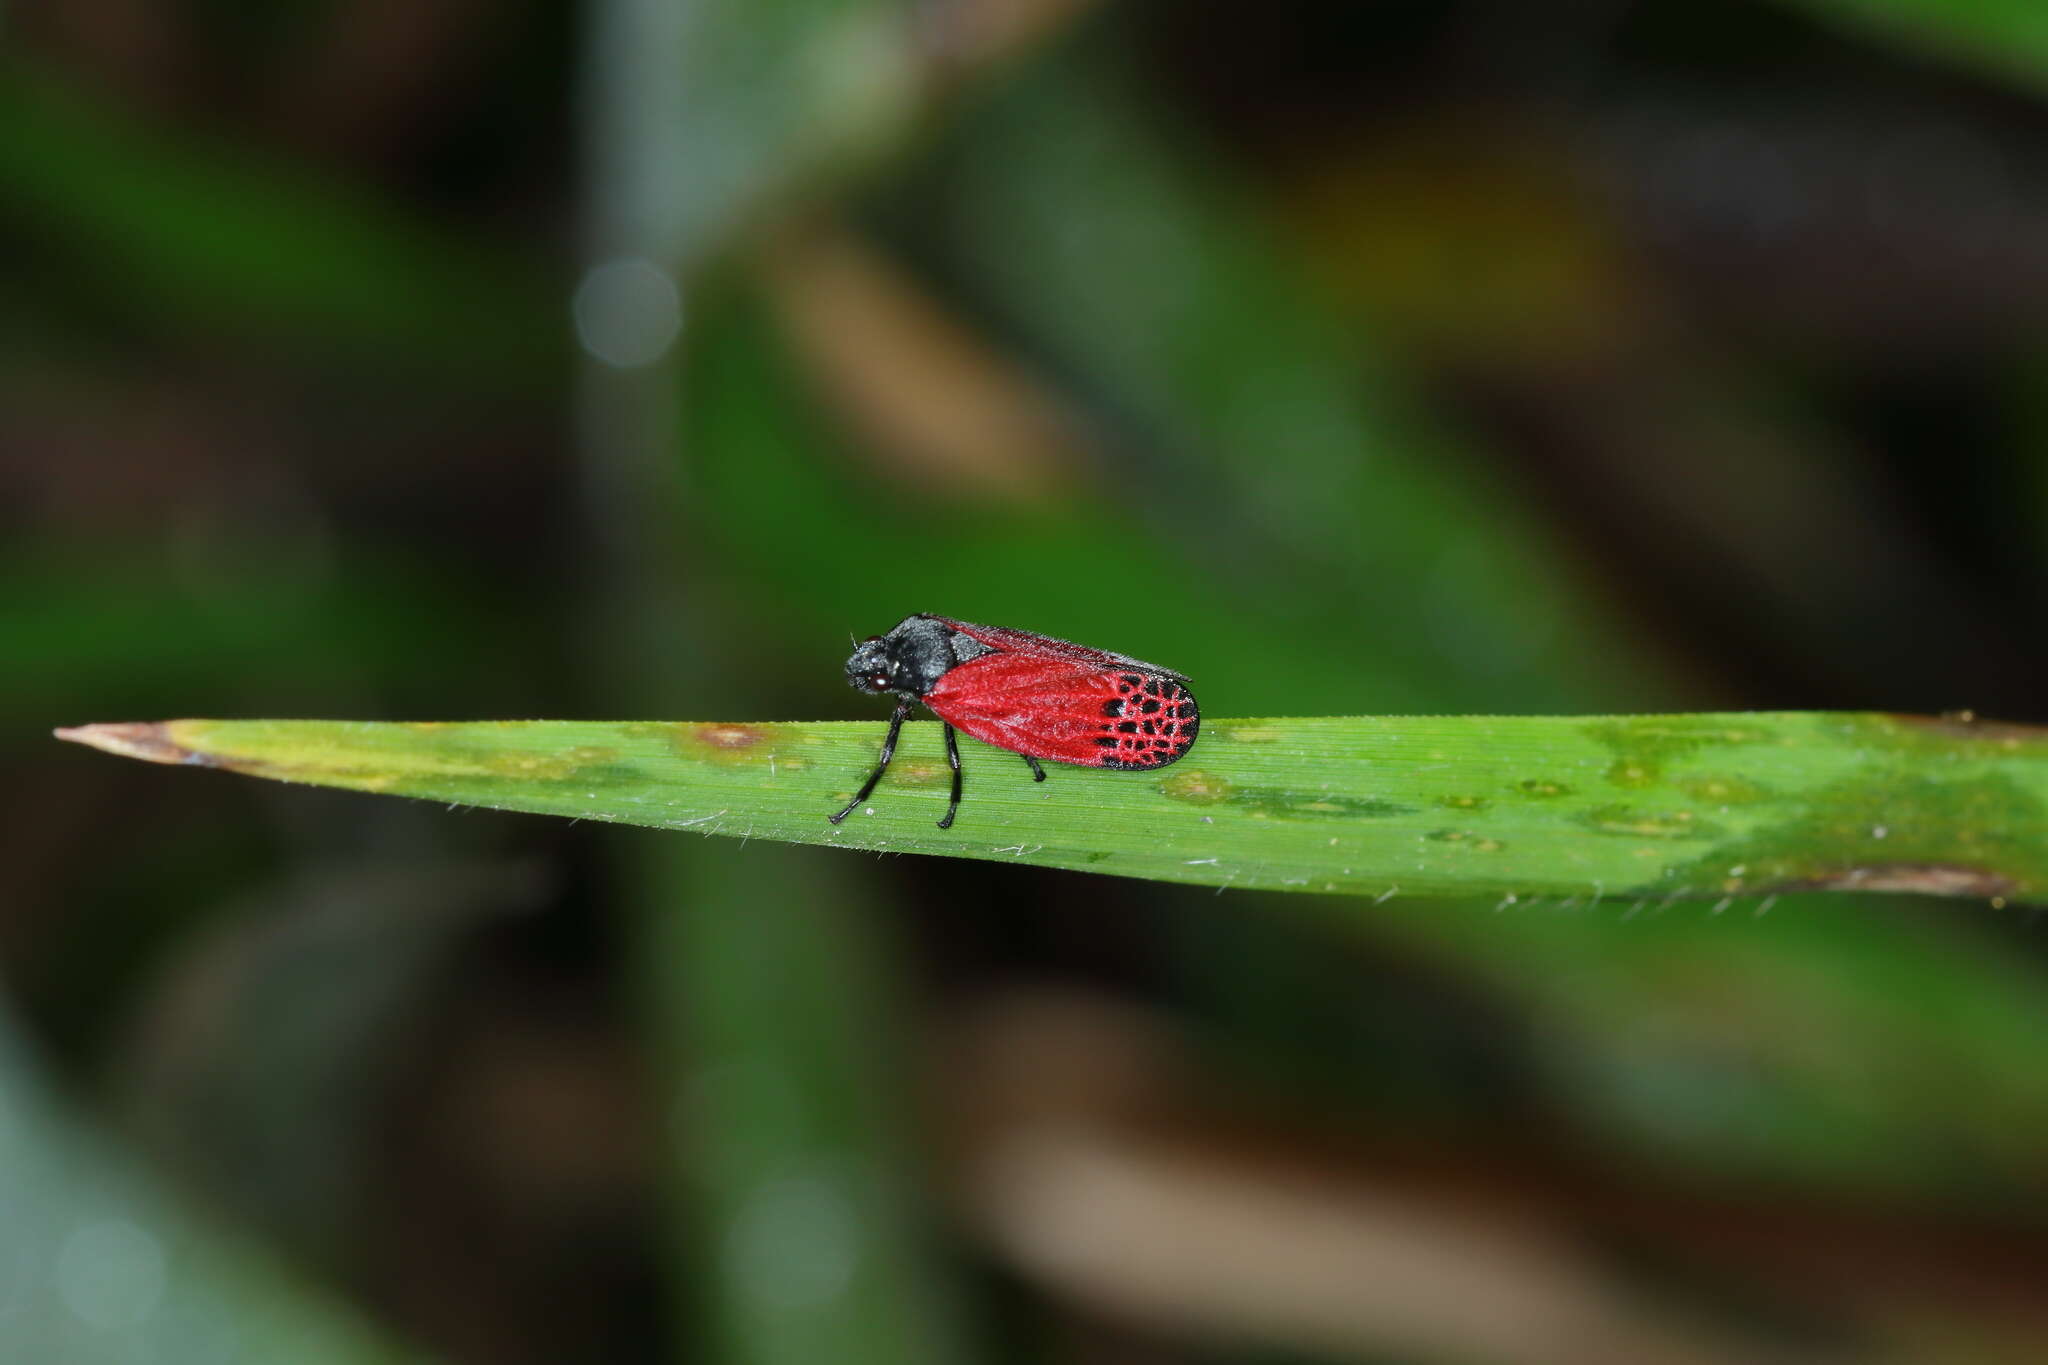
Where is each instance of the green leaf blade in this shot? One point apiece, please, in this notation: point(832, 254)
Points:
point(1706, 805)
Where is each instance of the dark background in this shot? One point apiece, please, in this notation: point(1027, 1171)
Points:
point(450, 359)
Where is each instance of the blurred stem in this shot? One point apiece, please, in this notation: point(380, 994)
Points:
point(626, 428)
point(760, 978)
point(772, 993)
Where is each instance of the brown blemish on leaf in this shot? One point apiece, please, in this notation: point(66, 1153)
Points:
point(149, 741)
point(721, 743)
point(728, 743)
point(1463, 802)
point(730, 736)
point(1933, 879)
point(1194, 785)
point(1879, 830)
point(1965, 725)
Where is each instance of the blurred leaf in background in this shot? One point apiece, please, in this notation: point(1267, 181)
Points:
point(98, 1265)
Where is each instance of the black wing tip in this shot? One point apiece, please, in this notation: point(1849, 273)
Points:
point(1147, 763)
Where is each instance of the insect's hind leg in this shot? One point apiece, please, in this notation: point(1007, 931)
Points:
point(952, 759)
point(867, 788)
point(1037, 773)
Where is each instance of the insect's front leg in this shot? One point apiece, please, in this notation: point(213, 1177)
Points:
point(952, 758)
point(1037, 773)
point(867, 788)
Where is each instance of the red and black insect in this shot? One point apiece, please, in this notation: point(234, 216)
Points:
point(1031, 694)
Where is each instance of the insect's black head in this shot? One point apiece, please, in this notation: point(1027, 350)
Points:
point(908, 661)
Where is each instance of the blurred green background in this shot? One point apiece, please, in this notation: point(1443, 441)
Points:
point(448, 359)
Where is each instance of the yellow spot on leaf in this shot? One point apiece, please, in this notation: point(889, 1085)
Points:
point(1196, 786)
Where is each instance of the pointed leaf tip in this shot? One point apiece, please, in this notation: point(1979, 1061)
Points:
point(147, 740)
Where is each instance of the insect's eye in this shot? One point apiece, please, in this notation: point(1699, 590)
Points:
point(874, 639)
point(879, 679)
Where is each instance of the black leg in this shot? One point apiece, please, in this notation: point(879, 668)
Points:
point(1037, 773)
point(867, 788)
point(953, 758)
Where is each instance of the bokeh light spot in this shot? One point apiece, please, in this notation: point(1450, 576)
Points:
point(794, 1243)
point(111, 1273)
point(628, 313)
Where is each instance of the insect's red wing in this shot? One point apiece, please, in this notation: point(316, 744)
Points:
point(1069, 710)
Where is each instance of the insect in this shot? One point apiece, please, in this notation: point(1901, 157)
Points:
point(1030, 694)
